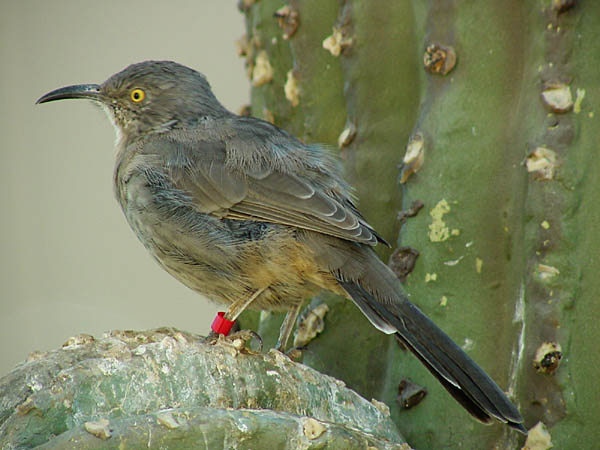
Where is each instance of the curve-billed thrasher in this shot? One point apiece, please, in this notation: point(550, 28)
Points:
point(243, 212)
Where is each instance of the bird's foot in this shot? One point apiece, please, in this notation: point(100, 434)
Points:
point(238, 340)
point(294, 353)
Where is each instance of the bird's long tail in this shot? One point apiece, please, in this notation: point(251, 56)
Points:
point(455, 370)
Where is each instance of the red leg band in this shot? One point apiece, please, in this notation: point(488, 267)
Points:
point(221, 325)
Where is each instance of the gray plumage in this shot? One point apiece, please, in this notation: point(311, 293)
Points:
point(235, 207)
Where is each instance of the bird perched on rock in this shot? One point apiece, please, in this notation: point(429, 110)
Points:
point(244, 213)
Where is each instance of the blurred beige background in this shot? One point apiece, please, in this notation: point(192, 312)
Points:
point(70, 263)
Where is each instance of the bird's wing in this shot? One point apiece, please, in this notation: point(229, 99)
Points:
point(200, 170)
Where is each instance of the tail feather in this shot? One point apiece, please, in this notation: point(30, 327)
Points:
point(455, 370)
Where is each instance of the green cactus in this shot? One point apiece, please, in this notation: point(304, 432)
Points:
point(507, 236)
point(167, 389)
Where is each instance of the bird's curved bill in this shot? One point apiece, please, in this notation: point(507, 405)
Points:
point(88, 91)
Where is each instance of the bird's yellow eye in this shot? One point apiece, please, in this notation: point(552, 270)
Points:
point(137, 95)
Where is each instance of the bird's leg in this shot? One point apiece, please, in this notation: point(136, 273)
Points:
point(287, 326)
point(233, 312)
point(238, 307)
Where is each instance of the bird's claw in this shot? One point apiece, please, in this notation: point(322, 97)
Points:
point(294, 353)
point(238, 340)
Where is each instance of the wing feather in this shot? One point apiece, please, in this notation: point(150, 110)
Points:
point(269, 195)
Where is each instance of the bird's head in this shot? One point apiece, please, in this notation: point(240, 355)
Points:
point(149, 97)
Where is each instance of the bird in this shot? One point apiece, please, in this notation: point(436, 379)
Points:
point(246, 214)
